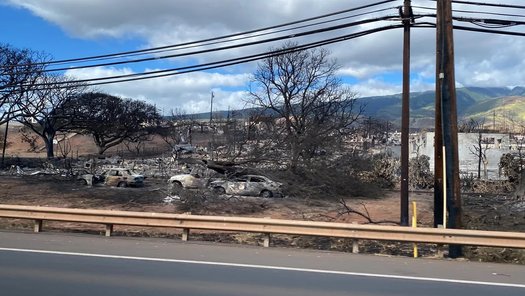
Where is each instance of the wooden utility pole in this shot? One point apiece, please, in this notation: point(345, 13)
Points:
point(449, 122)
point(211, 107)
point(438, 128)
point(405, 112)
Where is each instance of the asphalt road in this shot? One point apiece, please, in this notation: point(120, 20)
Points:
point(66, 264)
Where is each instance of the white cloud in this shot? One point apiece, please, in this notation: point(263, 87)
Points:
point(189, 92)
point(379, 87)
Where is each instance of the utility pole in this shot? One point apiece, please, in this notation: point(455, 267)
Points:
point(494, 121)
point(405, 112)
point(211, 107)
point(438, 128)
point(449, 122)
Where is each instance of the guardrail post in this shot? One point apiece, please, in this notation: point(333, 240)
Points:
point(185, 234)
point(355, 246)
point(109, 229)
point(37, 225)
point(439, 247)
point(267, 240)
point(355, 243)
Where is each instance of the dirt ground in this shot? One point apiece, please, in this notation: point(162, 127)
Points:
point(491, 212)
point(59, 191)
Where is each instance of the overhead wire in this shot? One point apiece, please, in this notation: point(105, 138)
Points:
point(228, 40)
point(492, 31)
point(491, 23)
point(488, 4)
point(153, 49)
point(471, 29)
point(472, 12)
point(245, 59)
point(228, 47)
point(249, 58)
point(217, 64)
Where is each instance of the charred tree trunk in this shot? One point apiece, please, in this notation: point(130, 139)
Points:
point(520, 191)
point(48, 141)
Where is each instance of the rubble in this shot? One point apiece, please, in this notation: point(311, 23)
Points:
point(171, 198)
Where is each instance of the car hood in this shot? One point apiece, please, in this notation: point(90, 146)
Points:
point(179, 177)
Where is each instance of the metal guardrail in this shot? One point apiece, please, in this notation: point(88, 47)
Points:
point(266, 226)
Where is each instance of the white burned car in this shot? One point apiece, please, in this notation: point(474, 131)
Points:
point(188, 181)
point(253, 185)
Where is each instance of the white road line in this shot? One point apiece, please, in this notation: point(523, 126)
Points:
point(387, 276)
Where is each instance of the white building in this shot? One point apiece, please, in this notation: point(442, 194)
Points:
point(496, 144)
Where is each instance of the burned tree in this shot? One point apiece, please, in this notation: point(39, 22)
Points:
point(177, 129)
point(112, 120)
point(46, 110)
point(312, 108)
point(236, 137)
point(19, 71)
point(468, 125)
point(374, 131)
point(480, 147)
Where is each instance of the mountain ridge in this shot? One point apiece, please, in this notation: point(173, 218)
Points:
point(472, 102)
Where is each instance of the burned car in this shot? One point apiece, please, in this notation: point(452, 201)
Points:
point(188, 181)
point(87, 178)
point(122, 177)
point(253, 185)
point(119, 177)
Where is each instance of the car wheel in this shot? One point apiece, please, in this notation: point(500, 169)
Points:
point(219, 190)
point(175, 187)
point(122, 184)
point(266, 194)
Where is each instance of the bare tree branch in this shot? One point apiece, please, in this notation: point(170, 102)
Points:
point(348, 210)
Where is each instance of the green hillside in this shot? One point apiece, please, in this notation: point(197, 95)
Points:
point(504, 111)
point(495, 104)
point(471, 102)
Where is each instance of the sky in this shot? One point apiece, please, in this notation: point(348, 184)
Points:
point(370, 65)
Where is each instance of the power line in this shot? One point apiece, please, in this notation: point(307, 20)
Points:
point(480, 30)
point(472, 29)
point(488, 4)
point(218, 64)
point(250, 58)
point(123, 54)
point(228, 40)
point(473, 12)
point(279, 38)
point(489, 23)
